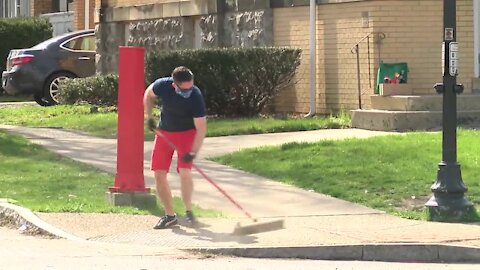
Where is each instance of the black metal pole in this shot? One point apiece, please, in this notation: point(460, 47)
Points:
point(369, 63)
point(359, 88)
point(448, 201)
point(449, 143)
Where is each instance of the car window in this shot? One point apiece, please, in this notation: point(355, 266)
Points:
point(45, 43)
point(84, 43)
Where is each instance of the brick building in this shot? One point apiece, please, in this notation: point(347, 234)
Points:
point(84, 14)
point(397, 30)
point(78, 13)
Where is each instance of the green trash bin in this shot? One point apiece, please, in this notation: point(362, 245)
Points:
point(389, 69)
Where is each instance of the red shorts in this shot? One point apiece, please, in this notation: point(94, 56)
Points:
point(162, 152)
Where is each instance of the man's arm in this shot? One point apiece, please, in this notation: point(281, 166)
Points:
point(201, 127)
point(149, 101)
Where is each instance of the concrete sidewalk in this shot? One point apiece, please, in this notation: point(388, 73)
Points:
point(299, 231)
point(371, 237)
point(317, 226)
point(264, 197)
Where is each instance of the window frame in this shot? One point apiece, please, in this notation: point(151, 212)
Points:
point(62, 45)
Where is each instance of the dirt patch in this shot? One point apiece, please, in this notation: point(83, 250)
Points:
point(413, 203)
point(11, 219)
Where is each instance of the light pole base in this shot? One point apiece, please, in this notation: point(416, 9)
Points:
point(450, 208)
point(448, 202)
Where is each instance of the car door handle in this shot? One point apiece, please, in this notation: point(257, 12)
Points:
point(84, 58)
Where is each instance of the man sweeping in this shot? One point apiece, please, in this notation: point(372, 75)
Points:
point(183, 124)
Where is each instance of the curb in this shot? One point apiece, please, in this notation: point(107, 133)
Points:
point(27, 222)
point(428, 253)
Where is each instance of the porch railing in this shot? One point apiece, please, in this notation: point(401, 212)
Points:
point(377, 38)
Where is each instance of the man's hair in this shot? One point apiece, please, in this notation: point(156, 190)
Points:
point(182, 74)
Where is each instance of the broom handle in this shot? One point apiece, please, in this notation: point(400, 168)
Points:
point(222, 191)
point(202, 173)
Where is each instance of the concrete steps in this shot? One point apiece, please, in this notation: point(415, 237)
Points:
point(405, 113)
point(423, 103)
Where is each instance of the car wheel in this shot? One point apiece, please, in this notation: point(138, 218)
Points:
point(41, 100)
point(52, 87)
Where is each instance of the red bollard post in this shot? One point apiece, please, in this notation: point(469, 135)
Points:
point(130, 149)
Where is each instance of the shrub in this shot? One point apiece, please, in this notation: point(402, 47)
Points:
point(235, 82)
point(99, 90)
point(20, 33)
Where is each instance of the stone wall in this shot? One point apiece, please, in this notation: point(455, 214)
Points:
point(209, 26)
point(238, 29)
point(160, 26)
point(152, 24)
point(162, 34)
point(249, 28)
point(246, 23)
point(109, 36)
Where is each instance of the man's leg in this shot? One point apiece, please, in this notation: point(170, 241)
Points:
point(161, 160)
point(187, 187)
point(185, 142)
point(164, 192)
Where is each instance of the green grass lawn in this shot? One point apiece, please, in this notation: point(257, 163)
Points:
point(104, 123)
point(391, 173)
point(45, 182)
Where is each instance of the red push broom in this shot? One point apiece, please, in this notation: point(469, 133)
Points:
point(255, 227)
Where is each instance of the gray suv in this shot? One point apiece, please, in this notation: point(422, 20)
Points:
point(40, 69)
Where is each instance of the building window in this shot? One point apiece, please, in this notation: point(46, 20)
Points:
point(61, 5)
point(23, 8)
point(2, 15)
point(6, 12)
point(8, 8)
point(14, 8)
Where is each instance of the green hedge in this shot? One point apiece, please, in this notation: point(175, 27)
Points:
point(235, 82)
point(97, 90)
point(20, 33)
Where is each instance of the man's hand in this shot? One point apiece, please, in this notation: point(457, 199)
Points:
point(201, 130)
point(189, 157)
point(152, 125)
point(149, 100)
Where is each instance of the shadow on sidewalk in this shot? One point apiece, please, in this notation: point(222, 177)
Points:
point(203, 234)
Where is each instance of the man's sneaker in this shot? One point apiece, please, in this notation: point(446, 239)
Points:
point(166, 222)
point(191, 220)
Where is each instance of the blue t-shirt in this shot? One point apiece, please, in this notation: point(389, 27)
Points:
point(178, 112)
